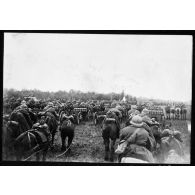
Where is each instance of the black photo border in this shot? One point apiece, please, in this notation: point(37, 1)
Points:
point(115, 32)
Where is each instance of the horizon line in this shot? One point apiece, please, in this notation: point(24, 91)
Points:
point(107, 93)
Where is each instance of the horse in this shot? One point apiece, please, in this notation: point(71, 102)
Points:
point(14, 104)
point(33, 116)
point(122, 116)
point(133, 160)
point(141, 146)
point(20, 118)
point(52, 124)
point(7, 108)
point(99, 117)
point(135, 153)
point(170, 143)
point(156, 133)
point(11, 130)
point(109, 134)
point(29, 143)
point(67, 128)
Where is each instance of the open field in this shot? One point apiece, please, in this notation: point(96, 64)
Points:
point(88, 145)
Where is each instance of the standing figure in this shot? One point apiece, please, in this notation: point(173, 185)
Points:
point(172, 110)
point(178, 113)
point(168, 111)
point(184, 112)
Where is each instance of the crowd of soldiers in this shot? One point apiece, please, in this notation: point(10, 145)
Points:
point(140, 120)
point(144, 136)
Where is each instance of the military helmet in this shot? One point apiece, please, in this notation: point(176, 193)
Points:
point(133, 107)
point(23, 102)
point(136, 121)
point(145, 111)
point(42, 117)
point(167, 127)
point(24, 106)
point(50, 104)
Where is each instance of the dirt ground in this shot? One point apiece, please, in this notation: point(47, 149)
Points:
point(88, 144)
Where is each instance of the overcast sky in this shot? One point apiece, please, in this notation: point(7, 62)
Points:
point(153, 66)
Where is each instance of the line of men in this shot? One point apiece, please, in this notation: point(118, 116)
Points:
point(176, 113)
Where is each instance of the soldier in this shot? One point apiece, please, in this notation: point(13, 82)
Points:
point(184, 113)
point(172, 111)
point(154, 122)
point(43, 127)
point(145, 117)
point(64, 116)
point(133, 111)
point(136, 141)
point(24, 110)
point(167, 109)
point(51, 110)
point(178, 112)
point(168, 131)
point(147, 121)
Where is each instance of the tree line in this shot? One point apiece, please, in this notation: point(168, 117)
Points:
point(70, 95)
point(78, 95)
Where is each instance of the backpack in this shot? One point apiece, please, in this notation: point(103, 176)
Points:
point(123, 144)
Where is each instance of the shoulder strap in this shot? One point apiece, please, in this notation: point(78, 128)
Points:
point(133, 136)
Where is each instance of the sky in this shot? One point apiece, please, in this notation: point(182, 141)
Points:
point(152, 66)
